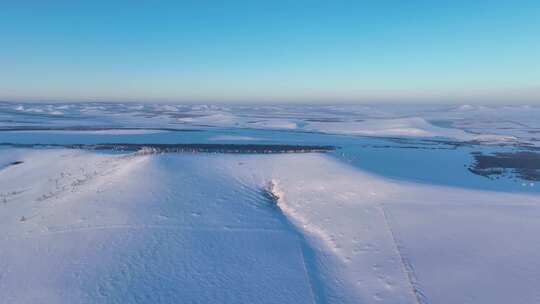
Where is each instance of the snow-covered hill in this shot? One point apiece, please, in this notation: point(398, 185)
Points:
point(85, 227)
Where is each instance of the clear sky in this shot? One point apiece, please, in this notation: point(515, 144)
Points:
point(270, 51)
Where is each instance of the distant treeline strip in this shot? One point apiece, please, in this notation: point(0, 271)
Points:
point(172, 148)
point(525, 165)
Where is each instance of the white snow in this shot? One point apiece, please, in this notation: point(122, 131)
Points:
point(411, 127)
point(99, 227)
point(395, 239)
point(517, 124)
point(124, 229)
point(273, 124)
point(82, 227)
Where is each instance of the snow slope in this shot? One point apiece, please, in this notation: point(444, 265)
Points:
point(83, 227)
point(404, 242)
point(409, 127)
point(140, 228)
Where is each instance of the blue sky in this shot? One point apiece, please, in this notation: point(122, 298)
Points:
point(270, 51)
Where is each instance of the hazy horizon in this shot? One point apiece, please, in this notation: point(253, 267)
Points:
point(313, 52)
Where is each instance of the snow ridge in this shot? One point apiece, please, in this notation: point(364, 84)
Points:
point(407, 266)
point(275, 192)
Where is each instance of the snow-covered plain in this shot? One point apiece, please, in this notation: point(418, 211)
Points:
point(393, 215)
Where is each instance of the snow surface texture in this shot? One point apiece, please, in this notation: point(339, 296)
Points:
point(398, 212)
point(80, 227)
point(141, 229)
